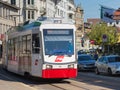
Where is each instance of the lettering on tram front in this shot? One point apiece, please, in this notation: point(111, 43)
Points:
point(59, 58)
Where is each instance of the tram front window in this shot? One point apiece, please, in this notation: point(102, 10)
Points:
point(35, 43)
point(58, 42)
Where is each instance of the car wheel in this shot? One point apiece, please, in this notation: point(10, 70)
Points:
point(97, 71)
point(109, 71)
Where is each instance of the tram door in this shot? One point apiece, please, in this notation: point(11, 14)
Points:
point(36, 54)
point(25, 53)
point(4, 55)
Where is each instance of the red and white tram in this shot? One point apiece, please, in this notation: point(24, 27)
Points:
point(42, 48)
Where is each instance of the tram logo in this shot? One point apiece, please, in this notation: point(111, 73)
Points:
point(59, 58)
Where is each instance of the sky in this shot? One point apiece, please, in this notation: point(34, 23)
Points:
point(92, 7)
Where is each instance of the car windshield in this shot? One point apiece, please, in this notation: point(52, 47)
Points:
point(58, 41)
point(84, 58)
point(114, 59)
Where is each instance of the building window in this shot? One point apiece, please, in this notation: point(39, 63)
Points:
point(32, 2)
point(13, 2)
point(61, 13)
point(25, 15)
point(28, 14)
point(78, 15)
point(70, 16)
point(3, 12)
point(33, 14)
point(28, 2)
point(58, 12)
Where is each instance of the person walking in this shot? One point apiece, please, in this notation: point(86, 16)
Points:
point(95, 55)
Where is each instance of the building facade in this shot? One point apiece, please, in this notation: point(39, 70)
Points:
point(32, 9)
point(79, 23)
point(8, 18)
point(16, 12)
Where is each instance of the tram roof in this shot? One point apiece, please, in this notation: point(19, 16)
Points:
point(47, 20)
point(42, 20)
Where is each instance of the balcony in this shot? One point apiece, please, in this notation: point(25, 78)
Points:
point(30, 7)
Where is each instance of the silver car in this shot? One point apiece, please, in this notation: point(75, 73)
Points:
point(108, 64)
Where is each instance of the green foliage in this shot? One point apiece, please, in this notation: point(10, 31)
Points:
point(97, 32)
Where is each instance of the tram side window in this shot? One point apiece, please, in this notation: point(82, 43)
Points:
point(9, 49)
point(26, 44)
point(35, 43)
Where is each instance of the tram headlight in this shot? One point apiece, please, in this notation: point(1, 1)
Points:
point(48, 66)
point(71, 66)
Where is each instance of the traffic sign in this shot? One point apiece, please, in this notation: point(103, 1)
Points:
point(104, 38)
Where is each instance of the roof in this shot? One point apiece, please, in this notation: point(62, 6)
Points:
point(117, 12)
point(94, 20)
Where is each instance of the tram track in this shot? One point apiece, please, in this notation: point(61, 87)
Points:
point(62, 85)
point(71, 85)
point(54, 83)
point(66, 84)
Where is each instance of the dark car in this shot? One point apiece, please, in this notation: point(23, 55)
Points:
point(81, 52)
point(86, 62)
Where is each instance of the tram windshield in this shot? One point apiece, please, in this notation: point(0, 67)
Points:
point(58, 41)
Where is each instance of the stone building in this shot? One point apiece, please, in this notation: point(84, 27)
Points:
point(79, 22)
point(8, 18)
point(16, 12)
point(32, 9)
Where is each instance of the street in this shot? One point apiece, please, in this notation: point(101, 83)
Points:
point(57, 40)
point(104, 80)
point(84, 81)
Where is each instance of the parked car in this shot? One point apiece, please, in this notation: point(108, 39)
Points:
point(81, 52)
point(109, 64)
point(85, 62)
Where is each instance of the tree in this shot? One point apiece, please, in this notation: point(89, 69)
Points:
point(97, 32)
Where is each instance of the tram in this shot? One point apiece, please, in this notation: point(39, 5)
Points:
point(43, 48)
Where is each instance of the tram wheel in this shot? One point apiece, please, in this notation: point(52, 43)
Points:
point(26, 75)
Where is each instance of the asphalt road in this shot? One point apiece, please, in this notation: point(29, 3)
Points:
point(103, 80)
point(84, 81)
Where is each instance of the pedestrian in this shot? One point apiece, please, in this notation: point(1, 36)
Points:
point(95, 55)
